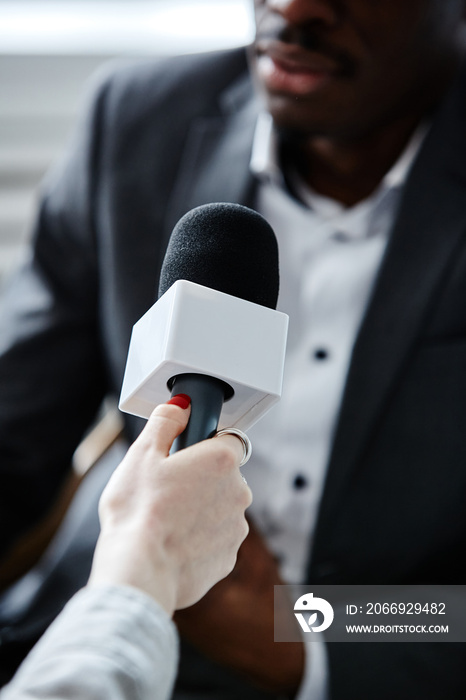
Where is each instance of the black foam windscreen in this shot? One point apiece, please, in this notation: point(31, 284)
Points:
point(226, 247)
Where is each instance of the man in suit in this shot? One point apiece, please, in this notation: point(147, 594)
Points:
point(350, 139)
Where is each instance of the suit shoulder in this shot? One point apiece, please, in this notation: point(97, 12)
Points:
point(190, 80)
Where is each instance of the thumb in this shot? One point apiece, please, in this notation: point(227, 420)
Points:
point(166, 422)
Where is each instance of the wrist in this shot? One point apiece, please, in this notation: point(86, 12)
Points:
point(117, 560)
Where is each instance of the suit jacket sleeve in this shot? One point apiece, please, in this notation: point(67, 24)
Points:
point(51, 374)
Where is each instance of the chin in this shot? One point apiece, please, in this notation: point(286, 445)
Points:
point(298, 119)
point(295, 125)
point(292, 128)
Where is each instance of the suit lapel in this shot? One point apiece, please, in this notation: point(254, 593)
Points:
point(429, 229)
point(215, 164)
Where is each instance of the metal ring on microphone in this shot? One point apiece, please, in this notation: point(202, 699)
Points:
point(247, 447)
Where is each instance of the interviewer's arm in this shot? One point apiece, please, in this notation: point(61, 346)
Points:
point(171, 528)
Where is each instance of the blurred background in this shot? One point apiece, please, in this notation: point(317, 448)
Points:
point(48, 50)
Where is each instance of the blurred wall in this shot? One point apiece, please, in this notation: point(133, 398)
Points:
point(48, 50)
point(39, 100)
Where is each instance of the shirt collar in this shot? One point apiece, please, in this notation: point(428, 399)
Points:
point(264, 157)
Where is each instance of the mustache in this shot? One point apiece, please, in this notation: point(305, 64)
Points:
point(310, 39)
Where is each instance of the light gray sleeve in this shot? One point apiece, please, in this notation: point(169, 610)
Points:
point(109, 643)
point(314, 685)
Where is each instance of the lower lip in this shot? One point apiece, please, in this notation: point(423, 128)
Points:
point(278, 77)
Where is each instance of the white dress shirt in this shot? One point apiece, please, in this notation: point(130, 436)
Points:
point(329, 259)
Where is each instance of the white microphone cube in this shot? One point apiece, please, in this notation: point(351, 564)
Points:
point(195, 329)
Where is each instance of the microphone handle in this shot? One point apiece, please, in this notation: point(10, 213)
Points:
point(207, 396)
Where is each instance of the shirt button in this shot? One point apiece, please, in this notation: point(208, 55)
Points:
point(320, 354)
point(300, 482)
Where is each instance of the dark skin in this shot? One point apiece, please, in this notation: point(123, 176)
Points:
point(381, 66)
point(370, 72)
point(245, 644)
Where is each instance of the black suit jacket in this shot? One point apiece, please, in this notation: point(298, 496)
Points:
point(157, 141)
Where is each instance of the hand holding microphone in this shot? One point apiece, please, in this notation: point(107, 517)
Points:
point(214, 336)
point(172, 525)
point(171, 528)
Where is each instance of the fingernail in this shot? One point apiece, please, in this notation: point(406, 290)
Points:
point(181, 400)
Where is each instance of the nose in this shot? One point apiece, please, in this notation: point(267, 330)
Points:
point(304, 11)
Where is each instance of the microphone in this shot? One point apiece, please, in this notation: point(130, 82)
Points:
point(214, 333)
point(227, 247)
point(232, 249)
